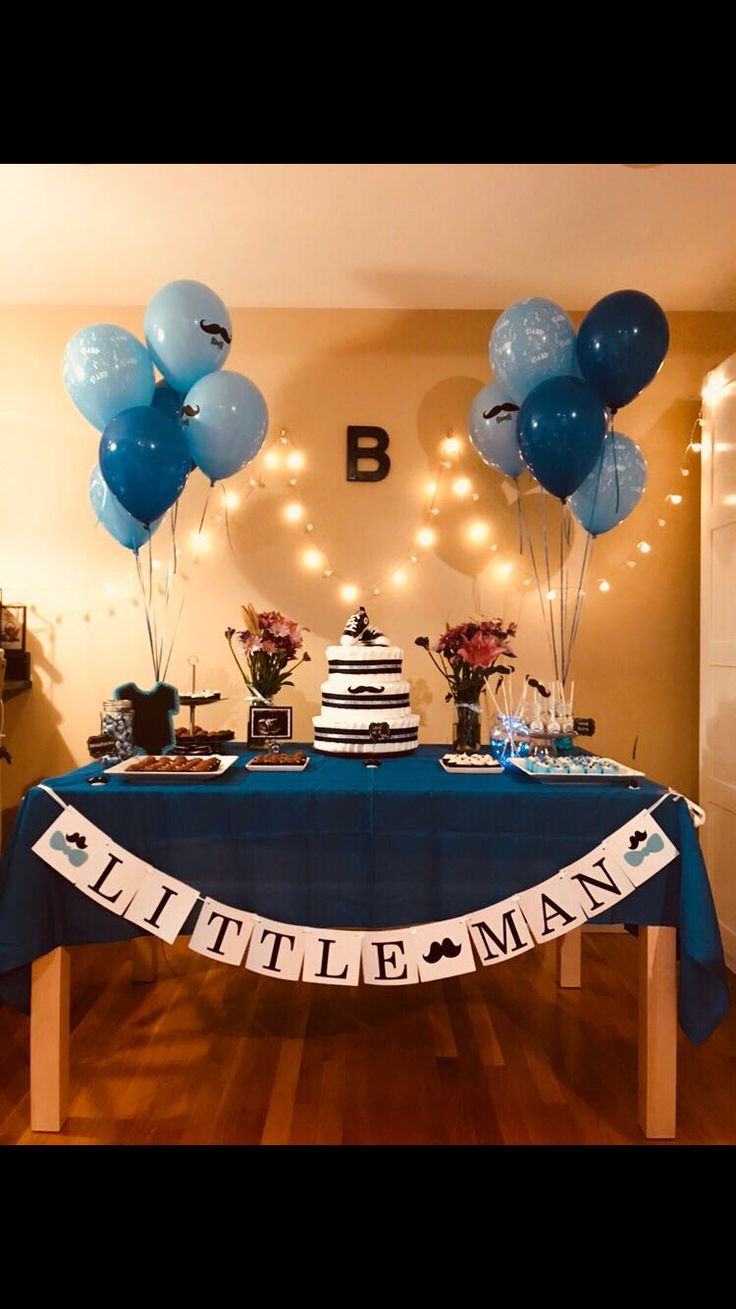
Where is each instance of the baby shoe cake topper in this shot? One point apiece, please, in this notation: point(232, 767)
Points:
point(358, 631)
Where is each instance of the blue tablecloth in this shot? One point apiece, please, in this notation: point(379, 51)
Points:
point(341, 845)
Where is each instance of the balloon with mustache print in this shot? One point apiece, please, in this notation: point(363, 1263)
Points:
point(492, 427)
point(188, 332)
point(225, 423)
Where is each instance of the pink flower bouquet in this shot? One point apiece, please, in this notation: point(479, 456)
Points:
point(269, 645)
point(469, 654)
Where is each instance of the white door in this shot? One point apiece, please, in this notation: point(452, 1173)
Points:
point(718, 643)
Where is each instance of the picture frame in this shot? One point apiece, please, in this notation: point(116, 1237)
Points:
point(12, 626)
point(268, 723)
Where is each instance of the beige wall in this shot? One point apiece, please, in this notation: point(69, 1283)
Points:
point(413, 373)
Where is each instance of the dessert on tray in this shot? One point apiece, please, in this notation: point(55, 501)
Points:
point(365, 701)
point(172, 763)
point(279, 759)
point(470, 761)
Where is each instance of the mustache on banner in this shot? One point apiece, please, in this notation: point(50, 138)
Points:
point(444, 949)
point(636, 840)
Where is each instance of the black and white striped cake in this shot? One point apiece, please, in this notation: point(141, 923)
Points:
point(365, 701)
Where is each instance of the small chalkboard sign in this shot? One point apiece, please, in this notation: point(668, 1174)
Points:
point(584, 726)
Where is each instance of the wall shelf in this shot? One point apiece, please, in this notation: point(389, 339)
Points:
point(11, 689)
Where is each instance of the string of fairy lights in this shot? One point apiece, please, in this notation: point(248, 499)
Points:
point(279, 468)
point(284, 457)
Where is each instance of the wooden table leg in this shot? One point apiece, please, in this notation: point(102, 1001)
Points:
point(50, 1041)
point(568, 958)
point(658, 1031)
point(144, 959)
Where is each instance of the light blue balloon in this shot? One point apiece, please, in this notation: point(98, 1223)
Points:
point(227, 424)
point(532, 341)
point(614, 488)
point(122, 526)
point(492, 424)
point(188, 332)
point(107, 370)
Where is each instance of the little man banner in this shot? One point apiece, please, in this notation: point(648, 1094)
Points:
point(160, 904)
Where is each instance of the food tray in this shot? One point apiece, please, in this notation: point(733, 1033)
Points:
point(622, 777)
point(477, 770)
point(253, 767)
point(121, 770)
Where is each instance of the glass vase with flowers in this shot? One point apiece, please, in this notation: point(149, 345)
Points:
point(468, 655)
point(266, 652)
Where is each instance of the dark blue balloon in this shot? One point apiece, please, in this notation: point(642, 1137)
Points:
point(561, 428)
point(621, 346)
point(168, 400)
point(145, 461)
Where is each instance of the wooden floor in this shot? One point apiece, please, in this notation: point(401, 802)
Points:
point(218, 1055)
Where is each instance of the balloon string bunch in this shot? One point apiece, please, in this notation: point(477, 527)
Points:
point(551, 410)
point(154, 435)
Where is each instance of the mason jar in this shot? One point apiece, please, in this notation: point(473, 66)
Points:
point(116, 721)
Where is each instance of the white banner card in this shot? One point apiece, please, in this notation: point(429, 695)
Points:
point(641, 847)
point(222, 932)
point(276, 949)
point(499, 932)
point(72, 844)
point(600, 879)
point(389, 958)
point(332, 958)
point(162, 905)
point(552, 908)
point(442, 949)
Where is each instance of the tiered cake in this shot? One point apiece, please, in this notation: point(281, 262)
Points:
point(365, 701)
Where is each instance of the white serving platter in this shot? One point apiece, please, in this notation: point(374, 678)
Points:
point(253, 767)
point(624, 775)
point(477, 770)
point(122, 771)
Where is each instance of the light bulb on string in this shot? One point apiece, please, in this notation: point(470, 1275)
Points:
point(349, 593)
point(271, 459)
point(644, 548)
point(603, 585)
point(232, 499)
point(399, 577)
point(479, 532)
point(200, 542)
point(295, 460)
point(434, 511)
point(426, 537)
point(312, 559)
point(696, 447)
point(376, 590)
point(293, 512)
point(451, 447)
point(462, 486)
point(674, 499)
point(551, 595)
point(431, 488)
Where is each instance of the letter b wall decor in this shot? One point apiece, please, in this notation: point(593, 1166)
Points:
point(368, 445)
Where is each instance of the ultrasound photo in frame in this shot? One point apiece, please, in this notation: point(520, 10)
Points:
point(269, 723)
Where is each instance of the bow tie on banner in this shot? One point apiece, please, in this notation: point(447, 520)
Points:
point(161, 905)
